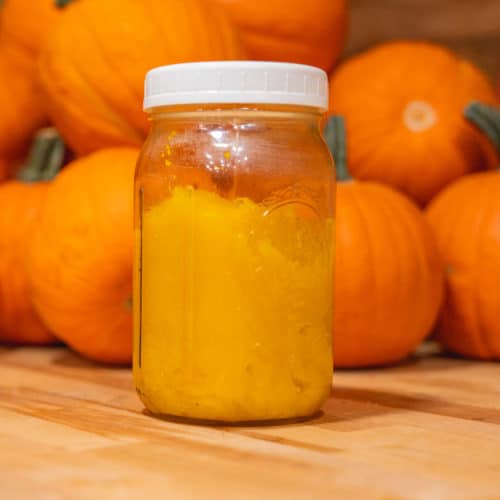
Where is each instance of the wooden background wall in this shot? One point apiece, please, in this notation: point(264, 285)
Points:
point(470, 27)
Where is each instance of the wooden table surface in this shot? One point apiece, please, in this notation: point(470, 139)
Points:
point(427, 429)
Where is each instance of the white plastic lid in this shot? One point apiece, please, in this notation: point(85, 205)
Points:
point(236, 82)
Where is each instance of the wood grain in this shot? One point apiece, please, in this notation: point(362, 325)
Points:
point(469, 27)
point(427, 429)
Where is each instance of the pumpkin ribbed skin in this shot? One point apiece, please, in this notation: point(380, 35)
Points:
point(24, 25)
point(81, 258)
point(403, 103)
point(466, 220)
point(93, 70)
point(19, 323)
point(389, 278)
point(290, 30)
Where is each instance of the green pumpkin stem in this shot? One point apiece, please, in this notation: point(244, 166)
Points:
point(62, 3)
point(45, 159)
point(487, 119)
point(335, 136)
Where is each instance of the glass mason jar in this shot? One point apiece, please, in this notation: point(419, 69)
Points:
point(234, 227)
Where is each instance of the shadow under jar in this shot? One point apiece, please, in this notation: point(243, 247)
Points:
point(234, 227)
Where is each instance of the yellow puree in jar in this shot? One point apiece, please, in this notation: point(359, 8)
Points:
point(236, 309)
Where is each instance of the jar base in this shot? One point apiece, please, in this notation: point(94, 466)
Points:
point(232, 423)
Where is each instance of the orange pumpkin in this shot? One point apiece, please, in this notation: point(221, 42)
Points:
point(81, 257)
point(291, 31)
point(389, 279)
point(403, 103)
point(21, 201)
point(465, 218)
point(19, 323)
point(23, 28)
point(93, 70)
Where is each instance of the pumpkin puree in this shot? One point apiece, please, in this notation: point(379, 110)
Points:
point(235, 315)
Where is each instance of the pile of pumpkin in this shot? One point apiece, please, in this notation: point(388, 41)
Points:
point(66, 237)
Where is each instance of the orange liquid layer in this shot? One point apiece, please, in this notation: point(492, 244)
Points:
point(236, 307)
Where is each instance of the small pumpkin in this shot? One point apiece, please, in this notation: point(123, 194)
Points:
point(93, 69)
point(403, 104)
point(21, 201)
point(80, 261)
point(466, 220)
point(389, 277)
point(23, 28)
point(291, 31)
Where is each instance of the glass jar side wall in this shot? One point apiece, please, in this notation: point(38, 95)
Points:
point(234, 224)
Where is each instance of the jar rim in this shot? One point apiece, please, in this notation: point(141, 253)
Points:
point(236, 82)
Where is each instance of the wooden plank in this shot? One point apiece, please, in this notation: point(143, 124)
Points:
point(429, 428)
